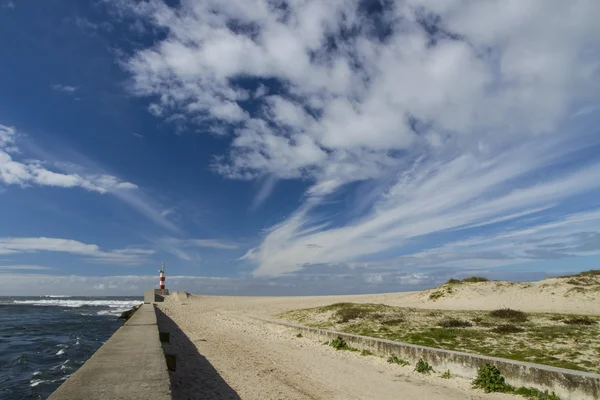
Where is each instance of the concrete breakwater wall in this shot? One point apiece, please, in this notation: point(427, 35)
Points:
point(567, 384)
point(130, 365)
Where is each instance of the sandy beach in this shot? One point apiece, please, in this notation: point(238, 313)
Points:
point(226, 353)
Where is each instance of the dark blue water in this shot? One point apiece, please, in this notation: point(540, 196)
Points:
point(44, 340)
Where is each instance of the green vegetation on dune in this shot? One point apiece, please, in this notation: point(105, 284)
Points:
point(560, 340)
point(592, 272)
point(490, 380)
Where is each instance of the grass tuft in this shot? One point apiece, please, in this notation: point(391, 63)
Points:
point(580, 321)
point(535, 394)
point(396, 360)
point(507, 328)
point(423, 367)
point(446, 375)
point(366, 353)
point(338, 343)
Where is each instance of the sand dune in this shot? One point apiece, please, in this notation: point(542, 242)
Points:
point(257, 361)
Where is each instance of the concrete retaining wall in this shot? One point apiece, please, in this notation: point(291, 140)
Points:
point(567, 384)
point(130, 365)
point(155, 295)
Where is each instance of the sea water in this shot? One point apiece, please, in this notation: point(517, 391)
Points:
point(43, 340)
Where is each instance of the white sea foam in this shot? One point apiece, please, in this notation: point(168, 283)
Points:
point(59, 296)
point(36, 373)
point(114, 311)
point(60, 366)
point(121, 304)
point(60, 352)
point(35, 382)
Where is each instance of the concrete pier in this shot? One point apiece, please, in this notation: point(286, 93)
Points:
point(130, 365)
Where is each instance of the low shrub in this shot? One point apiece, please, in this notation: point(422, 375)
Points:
point(350, 313)
point(446, 375)
point(490, 379)
point(423, 367)
point(453, 282)
point(474, 279)
point(393, 321)
point(436, 295)
point(580, 321)
point(592, 272)
point(454, 323)
point(507, 328)
point(510, 314)
point(366, 353)
point(299, 335)
point(396, 360)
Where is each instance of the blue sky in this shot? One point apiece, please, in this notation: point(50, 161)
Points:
point(299, 147)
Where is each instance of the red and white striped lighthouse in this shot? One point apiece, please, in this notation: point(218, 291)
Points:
point(161, 284)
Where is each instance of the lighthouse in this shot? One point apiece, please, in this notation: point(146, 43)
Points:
point(161, 283)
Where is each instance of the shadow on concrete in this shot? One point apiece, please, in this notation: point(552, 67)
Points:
point(195, 378)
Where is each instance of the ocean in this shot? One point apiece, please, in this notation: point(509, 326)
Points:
point(43, 340)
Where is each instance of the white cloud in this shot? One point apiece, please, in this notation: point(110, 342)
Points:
point(91, 252)
point(34, 172)
point(30, 172)
point(64, 88)
point(23, 268)
point(455, 111)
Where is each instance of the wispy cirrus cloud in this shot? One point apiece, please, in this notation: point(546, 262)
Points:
point(90, 252)
point(187, 249)
point(64, 88)
point(15, 169)
point(24, 268)
point(456, 111)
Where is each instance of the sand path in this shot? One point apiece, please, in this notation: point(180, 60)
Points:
point(225, 354)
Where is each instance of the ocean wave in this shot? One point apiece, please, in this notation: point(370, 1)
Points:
point(60, 352)
point(59, 296)
point(62, 366)
point(35, 382)
point(113, 312)
point(121, 304)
